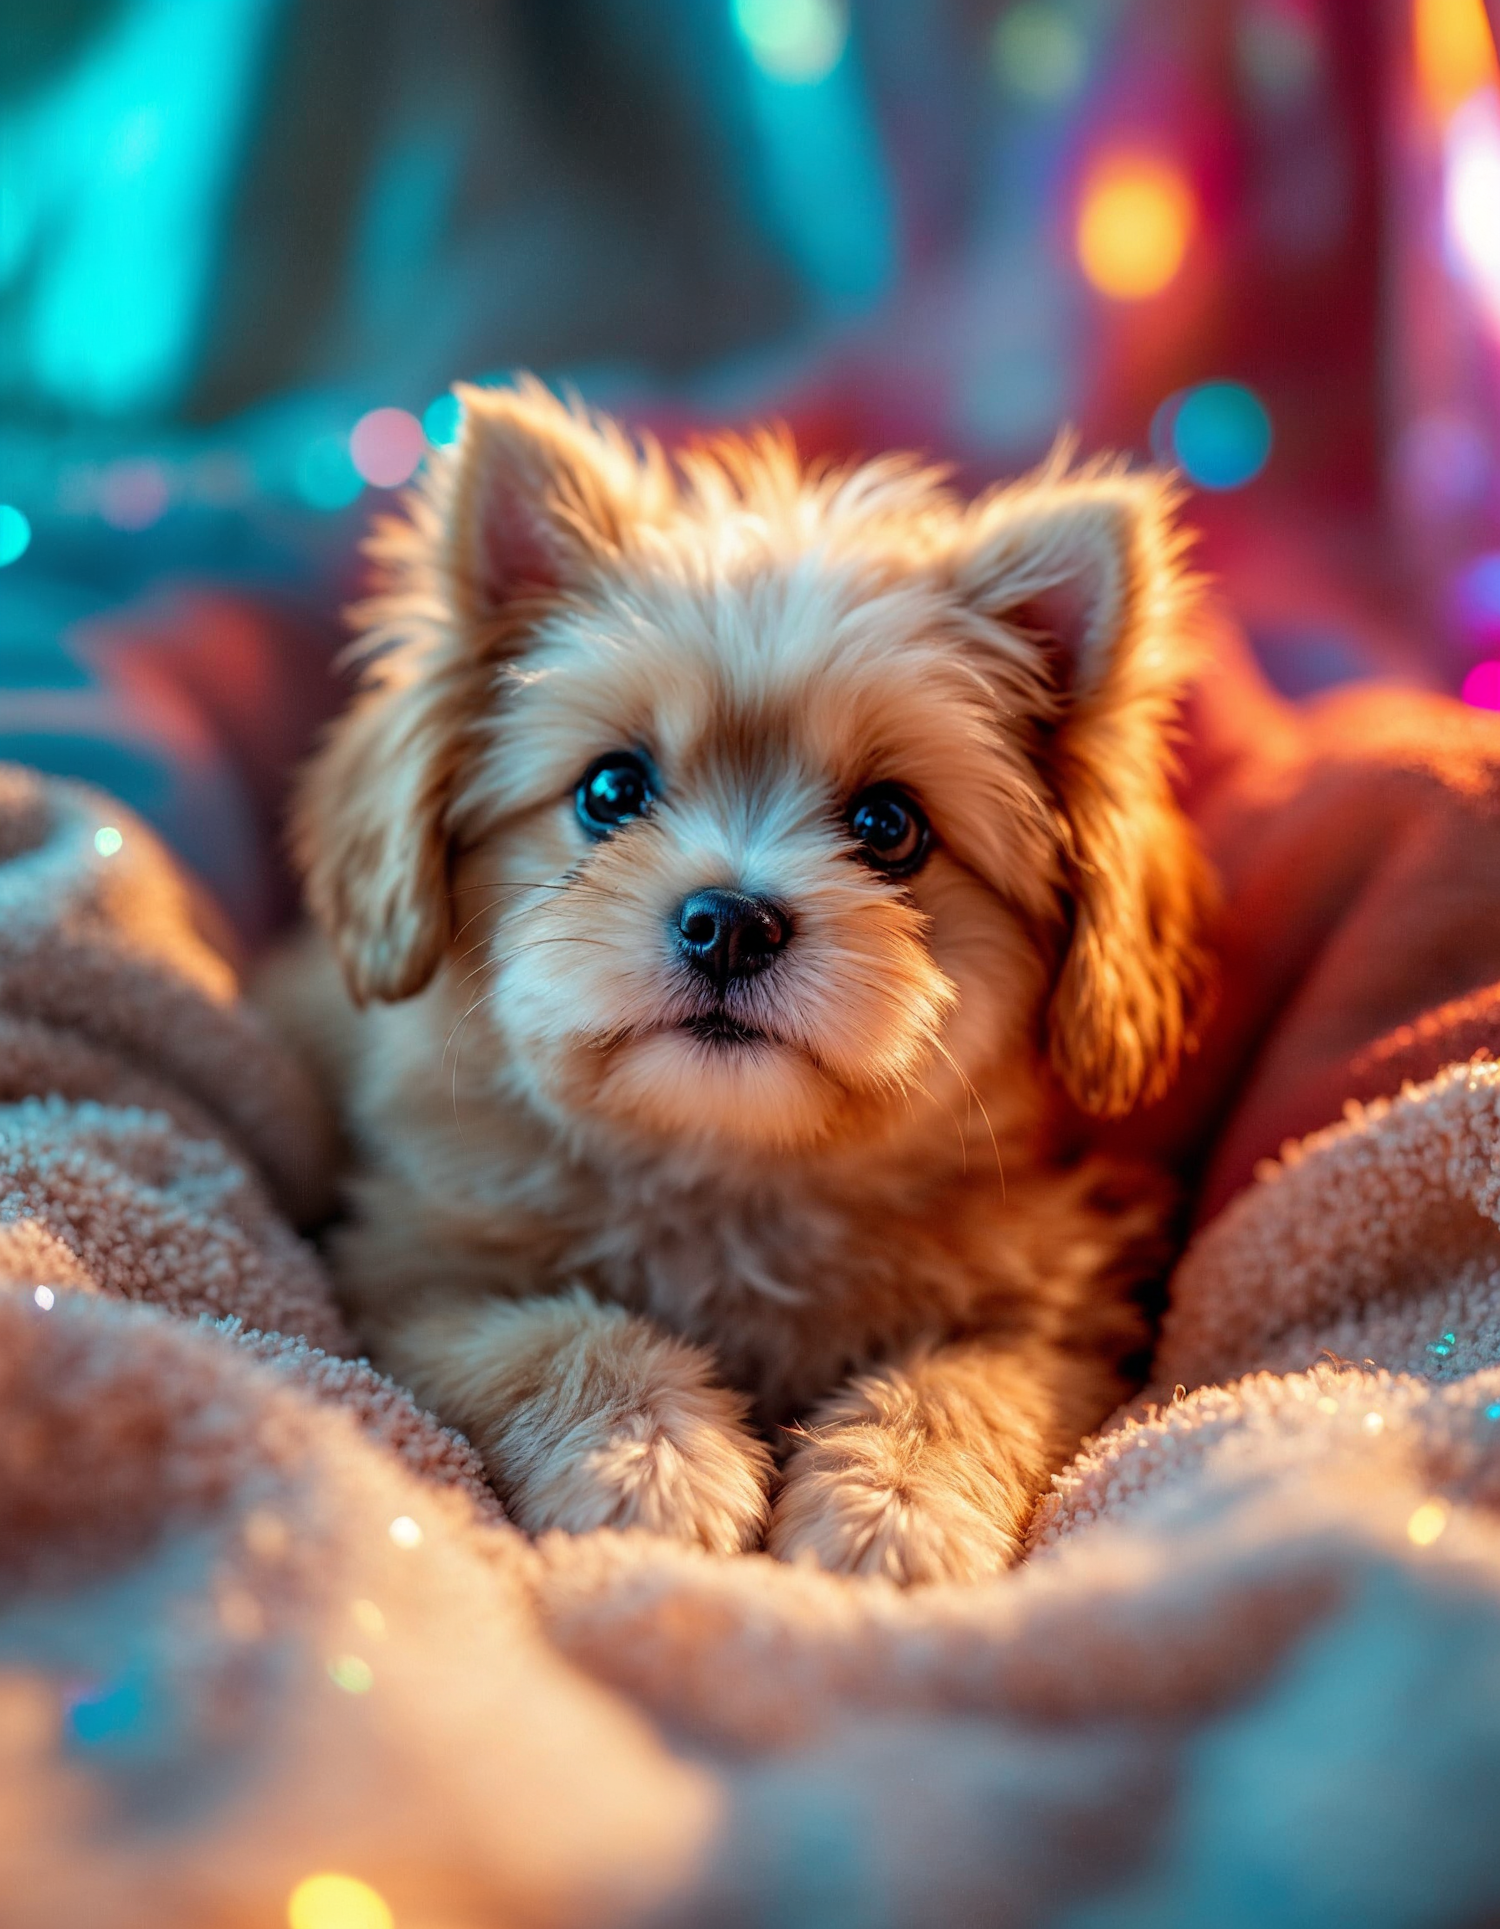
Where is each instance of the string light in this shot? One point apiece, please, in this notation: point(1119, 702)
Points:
point(1135, 222)
point(333, 1901)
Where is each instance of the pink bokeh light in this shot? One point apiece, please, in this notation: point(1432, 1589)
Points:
point(133, 494)
point(1482, 686)
point(386, 446)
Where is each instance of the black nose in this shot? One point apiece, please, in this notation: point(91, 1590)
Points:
point(725, 934)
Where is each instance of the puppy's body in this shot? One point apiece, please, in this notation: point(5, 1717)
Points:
point(630, 1167)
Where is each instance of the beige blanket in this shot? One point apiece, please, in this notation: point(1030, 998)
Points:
point(260, 1620)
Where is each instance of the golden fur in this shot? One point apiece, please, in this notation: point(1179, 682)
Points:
point(608, 1248)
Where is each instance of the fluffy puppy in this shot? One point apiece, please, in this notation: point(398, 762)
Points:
point(737, 869)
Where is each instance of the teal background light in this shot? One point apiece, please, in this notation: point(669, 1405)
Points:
point(15, 534)
point(114, 177)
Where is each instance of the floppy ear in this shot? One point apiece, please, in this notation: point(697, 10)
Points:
point(525, 506)
point(1086, 576)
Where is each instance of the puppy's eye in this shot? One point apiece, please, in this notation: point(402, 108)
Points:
point(890, 829)
point(613, 789)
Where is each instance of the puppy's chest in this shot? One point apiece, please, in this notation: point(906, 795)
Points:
point(793, 1294)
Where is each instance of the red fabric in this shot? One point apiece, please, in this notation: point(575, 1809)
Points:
point(1358, 839)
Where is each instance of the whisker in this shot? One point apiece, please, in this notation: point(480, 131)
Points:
point(503, 958)
point(458, 1029)
point(974, 1097)
point(585, 890)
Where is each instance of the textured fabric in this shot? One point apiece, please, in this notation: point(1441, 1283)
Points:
point(259, 1617)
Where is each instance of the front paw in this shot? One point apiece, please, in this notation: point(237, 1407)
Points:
point(877, 1499)
point(681, 1466)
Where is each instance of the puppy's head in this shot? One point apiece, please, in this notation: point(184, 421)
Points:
point(760, 808)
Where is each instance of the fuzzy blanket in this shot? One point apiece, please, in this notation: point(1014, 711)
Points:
point(260, 1619)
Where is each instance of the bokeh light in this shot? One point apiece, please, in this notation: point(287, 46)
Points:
point(109, 1714)
point(1476, 603)
point(1454, 51)
point(333, 1901)
point(108, 841)
point(1218, 434)
point(440, 421)
point(1428, 1522)
point(15, 533)
point(1279, 50)
point(369, 1618)
point(351, 1673)
point(1135, 222)
point(1471, 196)
point(1039, 53)
point(796, 41)
point(1443, 464)
point(133, 494)
point(47, 1299)
point(326, 476)
point(405, 1532)
point(386, 445)
point(1482, 685)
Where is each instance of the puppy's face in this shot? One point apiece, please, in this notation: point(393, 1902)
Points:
point(746, 865)
point(759, 813)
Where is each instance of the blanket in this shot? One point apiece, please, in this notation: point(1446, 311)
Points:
point(270, 1652)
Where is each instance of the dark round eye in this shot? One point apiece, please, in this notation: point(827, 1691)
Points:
point(613, 789)
point(890, 829)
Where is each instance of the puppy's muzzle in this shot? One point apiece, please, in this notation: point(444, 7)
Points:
point(728, 935)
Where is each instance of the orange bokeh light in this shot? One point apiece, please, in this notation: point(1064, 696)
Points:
point(1455, 52)
point(1135, 223)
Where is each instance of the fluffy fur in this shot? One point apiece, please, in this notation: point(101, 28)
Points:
point(619, 1254)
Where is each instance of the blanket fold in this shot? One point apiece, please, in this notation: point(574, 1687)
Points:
point(261, 1619)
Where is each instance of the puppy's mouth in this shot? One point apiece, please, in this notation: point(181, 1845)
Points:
point(718, 1028)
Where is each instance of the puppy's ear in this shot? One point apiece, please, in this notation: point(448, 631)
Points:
point(1084, 576)
point(528, 503)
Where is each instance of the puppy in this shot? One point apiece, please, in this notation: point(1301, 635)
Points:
point(740, 871)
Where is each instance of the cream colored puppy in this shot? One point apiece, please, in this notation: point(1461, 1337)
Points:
point(734, 867)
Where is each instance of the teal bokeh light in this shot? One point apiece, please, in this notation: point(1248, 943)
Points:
point(15, 534)
point(326, 475)
point(1218, 434)
point(116, 172)
point(440, 421)
point(799, 42)
point(823, 170)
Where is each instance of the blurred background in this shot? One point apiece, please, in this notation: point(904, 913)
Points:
point(246, 245)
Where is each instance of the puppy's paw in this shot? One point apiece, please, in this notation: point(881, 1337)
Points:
point(886, 1500)
point(681, 1465)
point(592, 1418)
